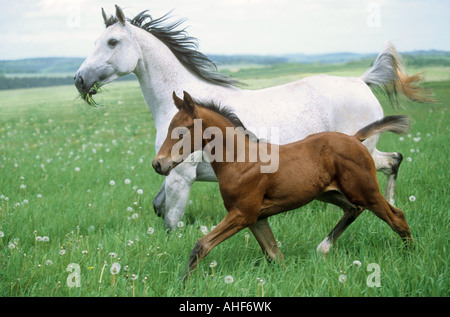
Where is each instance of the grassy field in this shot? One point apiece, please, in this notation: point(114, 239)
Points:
point(76, 190)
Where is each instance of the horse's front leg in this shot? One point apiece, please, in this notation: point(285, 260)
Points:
point(159, 201)
point(177, 187)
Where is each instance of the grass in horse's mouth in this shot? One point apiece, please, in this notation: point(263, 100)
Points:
point(88, 96)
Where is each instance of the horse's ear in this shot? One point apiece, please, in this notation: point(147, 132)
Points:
point(179, 103)
point(120, 15)
point(106, 18)
point(189, 103)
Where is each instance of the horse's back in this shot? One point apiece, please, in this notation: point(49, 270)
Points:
point(310, 105)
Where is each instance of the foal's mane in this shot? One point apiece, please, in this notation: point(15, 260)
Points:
point(183, 46)
point(228, 114)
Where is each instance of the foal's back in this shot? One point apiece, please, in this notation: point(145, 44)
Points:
point(314, 165)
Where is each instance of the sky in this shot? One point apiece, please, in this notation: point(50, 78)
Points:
point(69, 28)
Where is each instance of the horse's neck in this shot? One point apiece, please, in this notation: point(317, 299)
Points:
point(160, 73)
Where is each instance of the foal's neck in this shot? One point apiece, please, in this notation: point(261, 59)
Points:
point(231, 146)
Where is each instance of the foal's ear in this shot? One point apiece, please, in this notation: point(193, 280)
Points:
point(120, 15)
point(189, 103)
point(179, 103)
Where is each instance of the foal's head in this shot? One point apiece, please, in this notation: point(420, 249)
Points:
point(179, 142)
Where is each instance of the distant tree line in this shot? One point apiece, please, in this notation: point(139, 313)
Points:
point(31, 82)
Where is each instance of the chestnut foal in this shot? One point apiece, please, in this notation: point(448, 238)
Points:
point(330, 166)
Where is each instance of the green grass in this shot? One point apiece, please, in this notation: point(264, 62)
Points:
point(58, 156)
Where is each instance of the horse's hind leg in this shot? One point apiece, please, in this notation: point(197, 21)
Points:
point(264, 235)
point(351, 212)
point(388, 163)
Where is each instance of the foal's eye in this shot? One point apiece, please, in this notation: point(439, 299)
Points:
point(112, 42)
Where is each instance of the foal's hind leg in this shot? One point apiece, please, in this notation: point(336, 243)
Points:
point(263, 233)
point(351, 212)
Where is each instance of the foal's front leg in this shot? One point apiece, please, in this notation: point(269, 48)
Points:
point(234, 222)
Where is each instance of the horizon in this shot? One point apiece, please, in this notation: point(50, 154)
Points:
point(69, 28)
point(250, 55)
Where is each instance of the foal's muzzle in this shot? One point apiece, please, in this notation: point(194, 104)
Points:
point(163, 166)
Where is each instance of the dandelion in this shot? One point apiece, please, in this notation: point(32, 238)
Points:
point(2, 234)
point(150, 230)
point(115, 268)
point(140, 191)
point(417, 139)
point(112, 183)
point(39, 239)
point(49, 262)
point(260, 283)
point(45, 239)
point(84, 252)
point(212, 265)
point(246, 237)
point(77, 169)
point(412, 198)
point(62, 252)
point(127, 181)
point(204, 230)
point(129, 209)
point(342, 278)
point(228, 279)
point(23, 186)
point(357, 263)
point(401, 138)
point(180, 224)
point(112, 255)
point(11, 246)
point(409, 159)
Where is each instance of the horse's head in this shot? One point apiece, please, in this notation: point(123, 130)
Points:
point(116, 54)
point(179, 142)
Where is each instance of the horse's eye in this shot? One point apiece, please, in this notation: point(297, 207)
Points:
point(112, 42)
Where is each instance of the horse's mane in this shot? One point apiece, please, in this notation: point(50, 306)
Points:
point(183, 46)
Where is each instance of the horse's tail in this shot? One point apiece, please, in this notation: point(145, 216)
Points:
point(396, 124)
point(388, 73)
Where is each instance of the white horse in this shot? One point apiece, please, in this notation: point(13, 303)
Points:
point(165, 59)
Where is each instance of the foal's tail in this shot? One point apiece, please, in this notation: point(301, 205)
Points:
point(388, 73)
point(396, 124)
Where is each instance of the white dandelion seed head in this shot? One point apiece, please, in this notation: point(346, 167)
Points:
point(150, 230)
point(342, 278)
point(127, 181)
point(228, 279)
point(115, 268)
point(357, 263)
point(204, 230)
point(140, 191)
point(180, 224)
point(213, 263)
point(77, 169)
point(412, 198)
point(112, 183)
